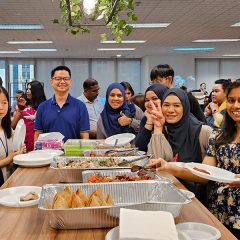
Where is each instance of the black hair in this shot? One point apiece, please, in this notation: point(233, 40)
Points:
point(162, 70)
point(202, 84)
point(38, 94)
point(60, 68)
point(88, 83)
point(229, 129)
point(184, 88)
point(128, 86)
point(224, 82)
point(20, 92)
point(6, 121)
point(1, 82)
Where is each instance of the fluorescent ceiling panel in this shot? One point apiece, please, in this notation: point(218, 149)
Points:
point(216, 40)
point(9, 52)
point(194, 49)
point(29, 42)
point(231, 55)
point(37, 49)
point(125, 41)
point(21, 26)
point(150, 25)
point(116, 49)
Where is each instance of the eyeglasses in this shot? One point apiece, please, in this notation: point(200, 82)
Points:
point(61, 78)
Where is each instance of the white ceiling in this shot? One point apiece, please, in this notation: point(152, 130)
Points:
point(190, 20)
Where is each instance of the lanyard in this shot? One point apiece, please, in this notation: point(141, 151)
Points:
point(5, 146)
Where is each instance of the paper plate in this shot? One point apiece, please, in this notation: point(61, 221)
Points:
point(178, 164)
point(122, 139)
point(113, 234)
point(187, 193)
point(31, 117)
point(33, 159)
point(215, 173)
point(11, 196)
point(19, 135)
point(199, 231)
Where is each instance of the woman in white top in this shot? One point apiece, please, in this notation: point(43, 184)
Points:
point(6, 145)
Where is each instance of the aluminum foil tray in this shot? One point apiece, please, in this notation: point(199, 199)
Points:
point(71, 175)
point(142, 195)
point(113, 173)
point(101, 152)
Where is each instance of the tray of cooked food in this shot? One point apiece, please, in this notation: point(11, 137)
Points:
point(69, 169)
point(98, 176)
point(82, 206)
point(114, 152)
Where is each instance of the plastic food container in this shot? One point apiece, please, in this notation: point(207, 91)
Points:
point(76, 147)
point(141, 195)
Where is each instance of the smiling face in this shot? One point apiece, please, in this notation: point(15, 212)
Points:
point(3, 105)
point(172, 109)
point(61, 81)
point(115, 98)
point(150, 95)
point(233, 104)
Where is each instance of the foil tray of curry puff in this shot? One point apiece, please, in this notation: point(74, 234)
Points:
point(84, 206)
point(69, 169)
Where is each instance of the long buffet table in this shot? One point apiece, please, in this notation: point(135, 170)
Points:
point(30, 223)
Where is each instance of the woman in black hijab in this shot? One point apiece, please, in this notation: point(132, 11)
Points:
point(180, 135)
point(153, 95)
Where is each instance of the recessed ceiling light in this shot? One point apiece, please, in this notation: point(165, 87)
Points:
point(236, 24)
point(150, 25)
point(125, 41)
point(21, 26)
point(37, 49)
point(116, 49)
point(194, 49)
point(6, 52)
point(217, 40)
point(118, 55)
point(29, 42)
point(231, 55)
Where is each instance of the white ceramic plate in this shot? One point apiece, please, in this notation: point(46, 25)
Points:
point(53, 152)
point(187, 193)
point(199, 231)
point(33, 159)
point(123, 138)
point(11, 196)
point(216, 174)
point(19, 135)
point(113, 234)
point(178, 164)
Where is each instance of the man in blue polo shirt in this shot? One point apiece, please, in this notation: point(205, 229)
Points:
point(62, 113)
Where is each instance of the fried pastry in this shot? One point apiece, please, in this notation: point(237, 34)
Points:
point(59, 202)
point(77, 202)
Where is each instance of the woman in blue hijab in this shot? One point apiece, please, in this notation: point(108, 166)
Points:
point(115, 107)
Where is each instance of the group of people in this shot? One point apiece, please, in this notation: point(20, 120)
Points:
point(170, 125)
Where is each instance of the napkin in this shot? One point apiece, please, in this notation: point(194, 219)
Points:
point(146, 225)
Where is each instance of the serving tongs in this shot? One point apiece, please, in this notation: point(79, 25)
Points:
point(121, 152)
point(125, 162)
point(148, 171)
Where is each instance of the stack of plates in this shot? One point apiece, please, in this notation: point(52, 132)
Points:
point(37, 158)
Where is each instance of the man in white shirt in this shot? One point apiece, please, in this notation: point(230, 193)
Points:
point(93, 103)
